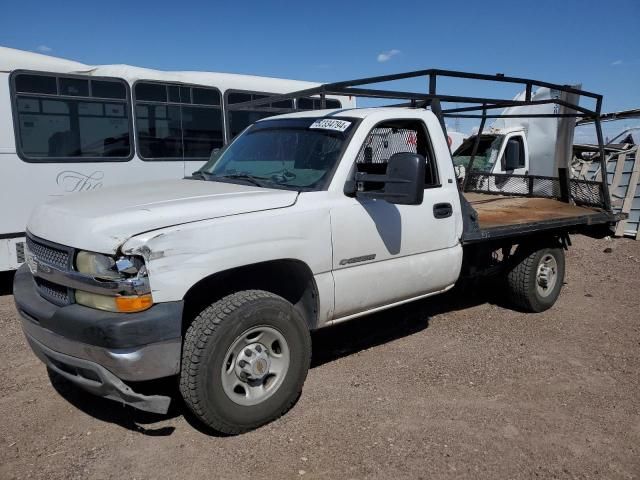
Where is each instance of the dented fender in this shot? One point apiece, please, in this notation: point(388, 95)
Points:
point(179, 257)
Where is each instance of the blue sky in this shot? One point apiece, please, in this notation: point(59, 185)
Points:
point(595, 43)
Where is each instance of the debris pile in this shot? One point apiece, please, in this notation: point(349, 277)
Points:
point(623, 176)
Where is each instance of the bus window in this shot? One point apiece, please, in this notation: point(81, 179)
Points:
point(176, 122)
point(238, 120)
point(71, 119)
point(313, 103)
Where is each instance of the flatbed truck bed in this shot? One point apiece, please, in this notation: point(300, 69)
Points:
point(500, 216)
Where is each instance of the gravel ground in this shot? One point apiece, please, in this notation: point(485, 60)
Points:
point(443, 388)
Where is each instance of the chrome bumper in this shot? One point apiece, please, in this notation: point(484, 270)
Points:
point(96, 379)
point(99, 351)
point(148, 362)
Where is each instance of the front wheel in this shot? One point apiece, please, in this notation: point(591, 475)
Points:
point(244, 361)
point(535, 282)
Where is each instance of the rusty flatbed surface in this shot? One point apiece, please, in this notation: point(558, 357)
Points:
point(502, 216)
point(500, 210)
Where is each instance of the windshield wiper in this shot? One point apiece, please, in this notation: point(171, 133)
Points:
point(201, 175)
point(257, 181)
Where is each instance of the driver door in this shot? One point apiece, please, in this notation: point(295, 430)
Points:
point(385, 253)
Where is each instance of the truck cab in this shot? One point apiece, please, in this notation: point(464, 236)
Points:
point(502, 151)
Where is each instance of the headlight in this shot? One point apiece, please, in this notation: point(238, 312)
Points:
point(97, 265)
point(106, 267)
point(127, 271)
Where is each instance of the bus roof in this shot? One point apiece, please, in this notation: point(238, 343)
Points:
point(12, 59)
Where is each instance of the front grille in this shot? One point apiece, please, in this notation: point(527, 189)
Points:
point(56, 256)
point(53, 256)
point(54, 293)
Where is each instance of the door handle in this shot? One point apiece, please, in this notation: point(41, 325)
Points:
point(442, 210)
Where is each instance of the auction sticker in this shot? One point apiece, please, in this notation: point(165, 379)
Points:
point(331, 124)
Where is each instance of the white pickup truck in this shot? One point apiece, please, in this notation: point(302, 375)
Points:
point(305, 220)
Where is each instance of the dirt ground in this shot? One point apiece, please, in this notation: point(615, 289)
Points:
point(442, 388)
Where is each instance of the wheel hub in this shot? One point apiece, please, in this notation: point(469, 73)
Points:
point(253, 362)
point(255, 365)
point(543, 276)
point(546, 275)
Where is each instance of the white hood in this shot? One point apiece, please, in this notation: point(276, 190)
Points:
point(101, 220)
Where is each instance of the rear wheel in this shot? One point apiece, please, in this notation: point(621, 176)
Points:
point(535, 282)
point(245, 359)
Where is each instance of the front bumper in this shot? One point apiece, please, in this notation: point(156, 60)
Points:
point(99, 350)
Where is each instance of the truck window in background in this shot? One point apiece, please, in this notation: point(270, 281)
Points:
point(177, 122)
point(520, 144)
point(60, 118)
point(311, 103)
point(486, 156)
point(238, 120)
point(389, 138)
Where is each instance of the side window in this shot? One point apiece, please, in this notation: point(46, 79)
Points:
point(71, 119)
point(389, 138)
point(176, 122)
point(312, 103)
point(521, 157)
point(238, 120)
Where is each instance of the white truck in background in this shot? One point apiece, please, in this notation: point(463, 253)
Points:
point(520, 145)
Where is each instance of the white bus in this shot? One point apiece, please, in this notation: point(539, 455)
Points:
point(67, 127)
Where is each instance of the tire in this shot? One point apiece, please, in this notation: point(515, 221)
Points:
point(526, 281)
point(223, 386)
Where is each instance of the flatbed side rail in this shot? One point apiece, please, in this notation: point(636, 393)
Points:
point(586, 193)
point(578, 224)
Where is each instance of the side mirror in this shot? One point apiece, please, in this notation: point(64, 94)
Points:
point(403, 184)
point(511, 158)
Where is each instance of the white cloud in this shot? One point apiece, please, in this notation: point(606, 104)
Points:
point(44, 48)
point(386, 56)
point(617, 62)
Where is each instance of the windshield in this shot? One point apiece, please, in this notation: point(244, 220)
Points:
point(296, 154)
point(486, 156)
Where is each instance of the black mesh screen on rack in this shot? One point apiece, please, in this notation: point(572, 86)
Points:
point(582, 192)
point(383, 142)
point(587, 193)
point(517, 185)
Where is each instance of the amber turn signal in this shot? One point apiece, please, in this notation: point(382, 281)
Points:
point(133, 304)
